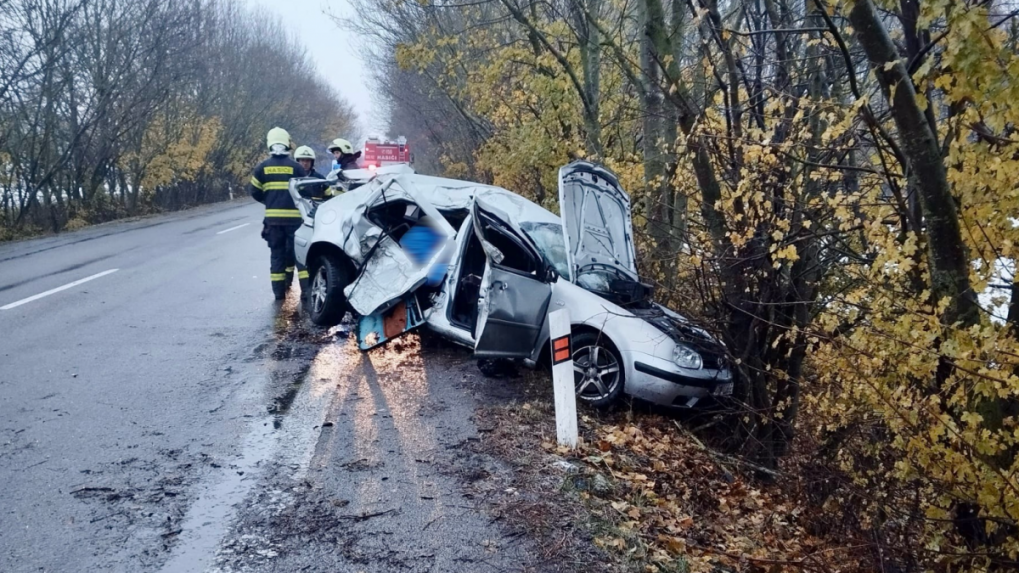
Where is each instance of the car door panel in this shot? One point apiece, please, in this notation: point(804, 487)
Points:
point(516, 306)
point(514, 301)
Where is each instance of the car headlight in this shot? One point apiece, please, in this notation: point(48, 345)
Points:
point(686, 357)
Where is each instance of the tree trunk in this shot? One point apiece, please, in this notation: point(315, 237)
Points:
point(654, 144)
point(949, 262)
point(590, 63)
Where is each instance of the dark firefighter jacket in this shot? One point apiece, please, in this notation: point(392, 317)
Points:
point(269, 182)
point(349, 161)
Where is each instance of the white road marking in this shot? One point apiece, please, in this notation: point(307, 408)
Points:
point(58, 289)
point(232, 228)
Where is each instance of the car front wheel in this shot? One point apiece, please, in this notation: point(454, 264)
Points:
point(326, 301)
point(597, 370)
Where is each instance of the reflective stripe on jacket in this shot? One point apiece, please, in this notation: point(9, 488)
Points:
point(269, 185)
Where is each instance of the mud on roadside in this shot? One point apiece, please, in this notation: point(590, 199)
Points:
point(417, 462)
point(392, 480)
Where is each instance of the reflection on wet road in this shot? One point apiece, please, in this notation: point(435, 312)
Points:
point(287, 360)
point(377, 491)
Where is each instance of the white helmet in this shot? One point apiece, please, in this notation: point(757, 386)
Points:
point(304, 152)
point(343, 145)
point(278, 141)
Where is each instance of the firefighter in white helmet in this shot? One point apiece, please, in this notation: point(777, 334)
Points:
point(344, 156)
point(269, 185)
point(306, 157)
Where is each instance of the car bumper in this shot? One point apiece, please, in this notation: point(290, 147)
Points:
point(662, 382)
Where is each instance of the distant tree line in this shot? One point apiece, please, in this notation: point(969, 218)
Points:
point(111, 108)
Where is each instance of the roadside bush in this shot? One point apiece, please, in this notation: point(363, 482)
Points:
point(76, 224)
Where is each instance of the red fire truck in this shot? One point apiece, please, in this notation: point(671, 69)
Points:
point(378, 152)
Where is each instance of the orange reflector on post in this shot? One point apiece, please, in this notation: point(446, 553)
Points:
point(561, 349)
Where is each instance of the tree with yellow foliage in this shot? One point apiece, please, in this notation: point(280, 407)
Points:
point(829, 185)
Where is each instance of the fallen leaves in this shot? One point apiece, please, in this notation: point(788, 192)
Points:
point(674, 500)
point(674, 504)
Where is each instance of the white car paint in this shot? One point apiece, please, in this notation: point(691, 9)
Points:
point(340, 222)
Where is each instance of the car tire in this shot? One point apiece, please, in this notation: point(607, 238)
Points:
point(326, 302)
point(599, 384)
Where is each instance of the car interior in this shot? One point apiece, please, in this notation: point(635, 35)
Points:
point(517, 257)
point(455, 217)
point(395, 217)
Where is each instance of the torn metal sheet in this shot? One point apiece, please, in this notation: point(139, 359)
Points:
point(388, 275)
point(389, 269)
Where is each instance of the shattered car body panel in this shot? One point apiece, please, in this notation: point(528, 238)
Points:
point(361, 223)
point(506, 274)
point(388, 271)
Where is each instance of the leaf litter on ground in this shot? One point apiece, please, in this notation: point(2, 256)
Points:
point(642, 493)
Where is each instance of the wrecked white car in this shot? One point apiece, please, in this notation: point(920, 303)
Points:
point(483, 267)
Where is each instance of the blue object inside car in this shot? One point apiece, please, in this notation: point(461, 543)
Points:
point(420, 243)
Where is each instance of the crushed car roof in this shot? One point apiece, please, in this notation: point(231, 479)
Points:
point(452, 194)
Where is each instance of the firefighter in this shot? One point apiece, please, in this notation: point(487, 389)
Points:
point(269, 186)
point(344, 156)
point(306, 157)
point(318, 193)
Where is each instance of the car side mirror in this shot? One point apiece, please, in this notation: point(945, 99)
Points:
point(551, 275)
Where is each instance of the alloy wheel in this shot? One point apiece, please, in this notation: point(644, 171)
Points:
point(319, 288)
point(595, 372)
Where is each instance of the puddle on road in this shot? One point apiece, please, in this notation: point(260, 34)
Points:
point(298, 365)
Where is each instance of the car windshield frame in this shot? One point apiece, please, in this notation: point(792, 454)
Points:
point(550, 232)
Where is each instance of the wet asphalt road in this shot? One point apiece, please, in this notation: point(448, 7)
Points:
point(167, 415)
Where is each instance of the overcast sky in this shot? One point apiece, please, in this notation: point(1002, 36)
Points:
point(334, 50)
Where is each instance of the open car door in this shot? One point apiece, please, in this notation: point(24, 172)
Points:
point(405, 243)
point(515, 290)
point(298, 189)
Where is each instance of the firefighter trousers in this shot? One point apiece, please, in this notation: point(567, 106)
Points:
point(282, 262)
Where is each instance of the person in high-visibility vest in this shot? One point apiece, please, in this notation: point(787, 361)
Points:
point(269, 185)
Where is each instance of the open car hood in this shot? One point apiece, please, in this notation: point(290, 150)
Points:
point(597, 225)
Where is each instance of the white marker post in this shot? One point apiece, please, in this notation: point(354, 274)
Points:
point(562, 378)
